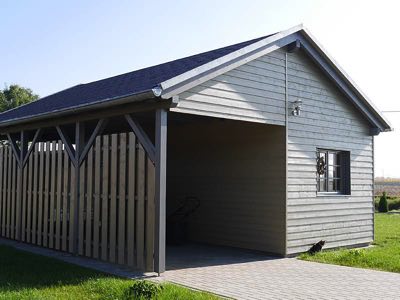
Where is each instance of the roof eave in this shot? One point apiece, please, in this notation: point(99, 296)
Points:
point(103, 103)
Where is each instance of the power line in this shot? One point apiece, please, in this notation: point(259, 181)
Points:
point(391, 111)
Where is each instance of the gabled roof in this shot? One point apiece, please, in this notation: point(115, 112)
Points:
point(169, 79)
point(109, 89)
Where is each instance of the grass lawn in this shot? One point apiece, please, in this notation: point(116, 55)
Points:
point(29, 276)
point(384, 256)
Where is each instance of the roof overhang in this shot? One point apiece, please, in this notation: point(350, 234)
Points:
point(176, 85)
point(88, 110)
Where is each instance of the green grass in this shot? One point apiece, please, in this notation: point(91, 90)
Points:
point(385, 255)
point(29, 276)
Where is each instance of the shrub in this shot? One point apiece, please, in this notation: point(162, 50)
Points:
point(394, 204)
point(383, 203)
point(143, 289)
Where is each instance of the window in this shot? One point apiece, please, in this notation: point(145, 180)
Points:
point(333, 171)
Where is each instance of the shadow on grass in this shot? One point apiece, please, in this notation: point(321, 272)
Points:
point(19, 270)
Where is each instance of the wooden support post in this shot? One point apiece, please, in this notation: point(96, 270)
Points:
point(79, 144)
point(160, 182)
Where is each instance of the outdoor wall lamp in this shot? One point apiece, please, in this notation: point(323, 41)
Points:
point(296, 107)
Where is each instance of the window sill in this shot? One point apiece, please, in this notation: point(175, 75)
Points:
point(330, 195)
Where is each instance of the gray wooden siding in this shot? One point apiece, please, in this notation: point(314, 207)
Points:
point(236, 169)
point(253, 92)
point(327, 121)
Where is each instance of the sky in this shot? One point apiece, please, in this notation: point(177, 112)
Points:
point(51, 45)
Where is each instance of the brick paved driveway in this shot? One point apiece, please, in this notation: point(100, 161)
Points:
point(245, 275)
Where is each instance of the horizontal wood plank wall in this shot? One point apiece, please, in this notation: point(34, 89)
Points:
point(253, 92)
point(237, 173)
point(329, 121)
point(117, 174)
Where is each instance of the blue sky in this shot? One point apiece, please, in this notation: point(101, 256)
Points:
point(52, 45)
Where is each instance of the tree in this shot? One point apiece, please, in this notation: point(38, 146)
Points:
point(383, 204)
point(14, 95)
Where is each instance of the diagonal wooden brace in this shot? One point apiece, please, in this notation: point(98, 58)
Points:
point(142, 136)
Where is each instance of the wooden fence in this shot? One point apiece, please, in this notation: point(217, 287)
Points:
point(116, 202)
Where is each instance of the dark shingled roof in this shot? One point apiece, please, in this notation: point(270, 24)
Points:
point(112, 88)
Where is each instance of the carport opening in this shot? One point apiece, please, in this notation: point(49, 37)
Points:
point(225, 186)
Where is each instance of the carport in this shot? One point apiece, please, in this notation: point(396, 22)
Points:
point(226, 183)
point(89, 170)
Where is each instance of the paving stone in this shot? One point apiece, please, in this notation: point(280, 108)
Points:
point(247, 275)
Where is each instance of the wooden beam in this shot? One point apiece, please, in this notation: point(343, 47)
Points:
point(294, 47)
point(67, 144)
point(142, 137)
point(102, 113)
point(15, 148)
point(160, 190)
point(175, 101)
point(37, 135)
point(101, 124)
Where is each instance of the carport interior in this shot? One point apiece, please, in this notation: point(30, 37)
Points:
point(225, 183)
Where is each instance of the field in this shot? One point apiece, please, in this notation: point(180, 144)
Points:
point(29, 276)
point(390, 186)
point(385, 255)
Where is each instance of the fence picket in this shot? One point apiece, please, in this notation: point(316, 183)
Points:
point(29, 205)
point(72, 203)
point(131, 201)
point(46, 194)
point(150, 214)
point(89, 199)
point(105, 197)
point(4, 199)
point(113, 197)
point(96, 200)
point(35, 192)
point(40, 199)
point(65, 202)
point(82, 200)
point(59, 193)
point(140, 177)
point(52, 194)
point(122, 198)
